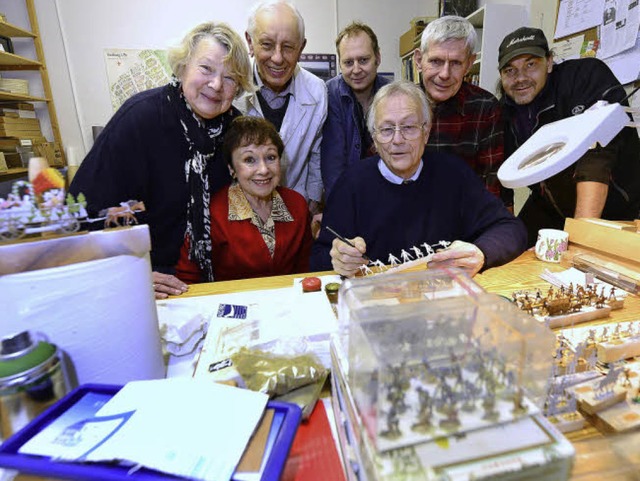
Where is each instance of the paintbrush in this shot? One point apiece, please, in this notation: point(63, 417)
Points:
point(349, 243)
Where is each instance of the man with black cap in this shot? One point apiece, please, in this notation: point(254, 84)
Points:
point(605, 182)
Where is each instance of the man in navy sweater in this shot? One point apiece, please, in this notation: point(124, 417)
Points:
point(405, 198)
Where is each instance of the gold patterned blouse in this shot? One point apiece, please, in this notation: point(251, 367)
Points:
point(240, 209)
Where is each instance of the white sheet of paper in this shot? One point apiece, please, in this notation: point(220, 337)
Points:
point(626, 66)
point(183, 426)
point(568, 49)
point(619, 31)
point(578, 15)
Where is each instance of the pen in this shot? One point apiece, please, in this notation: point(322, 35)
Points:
point(349, 243)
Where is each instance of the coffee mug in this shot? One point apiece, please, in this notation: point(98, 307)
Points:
point(551, 244)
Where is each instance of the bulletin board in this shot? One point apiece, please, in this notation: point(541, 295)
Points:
point(612, 34)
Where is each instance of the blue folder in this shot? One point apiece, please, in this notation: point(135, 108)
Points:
point(283, 429)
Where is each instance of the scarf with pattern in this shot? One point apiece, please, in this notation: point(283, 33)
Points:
point(204, 137)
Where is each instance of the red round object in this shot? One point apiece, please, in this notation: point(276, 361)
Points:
point(311, 284)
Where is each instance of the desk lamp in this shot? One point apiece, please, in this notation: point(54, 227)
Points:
point(557, 145)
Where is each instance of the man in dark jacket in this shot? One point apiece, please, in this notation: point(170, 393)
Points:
point(345, 138)
point(605, 182)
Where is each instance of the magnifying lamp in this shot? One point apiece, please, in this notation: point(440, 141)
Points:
point(557, 145)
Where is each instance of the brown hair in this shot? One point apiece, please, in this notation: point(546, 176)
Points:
point(246, 130)
point(354, 28)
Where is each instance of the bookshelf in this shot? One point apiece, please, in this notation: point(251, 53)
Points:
point(497, 19)
point(27, 62)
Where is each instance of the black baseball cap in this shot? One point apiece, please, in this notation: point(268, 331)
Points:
point(524, 40)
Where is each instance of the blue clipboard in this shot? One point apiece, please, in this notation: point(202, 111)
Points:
point(283, 429)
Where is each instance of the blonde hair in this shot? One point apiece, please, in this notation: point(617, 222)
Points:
point(237, 57)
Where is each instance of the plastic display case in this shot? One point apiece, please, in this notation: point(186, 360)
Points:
point(431, 355)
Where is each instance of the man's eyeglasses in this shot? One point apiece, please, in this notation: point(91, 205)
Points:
point(408, 132)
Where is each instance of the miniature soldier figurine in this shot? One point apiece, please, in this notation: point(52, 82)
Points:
point(393, 423)
point(489, 402)
point(425, 410)
point(519, 407)
point(393, 260)
point(427, 248)
point(378, 263)
point(616, 333)
point(406, 257)
point(604, 335)
point(629, 331)
point(612, 294)
point(418, 252)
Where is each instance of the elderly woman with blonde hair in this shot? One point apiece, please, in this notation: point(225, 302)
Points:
point(163, 147)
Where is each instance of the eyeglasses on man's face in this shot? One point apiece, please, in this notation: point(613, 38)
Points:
point(408, 132)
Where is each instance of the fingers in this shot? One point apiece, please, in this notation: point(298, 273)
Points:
point(460, 254)
point(346, 260)
point(165, 285)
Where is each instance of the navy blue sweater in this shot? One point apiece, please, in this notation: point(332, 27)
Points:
point(446, 202)
point(141, 155)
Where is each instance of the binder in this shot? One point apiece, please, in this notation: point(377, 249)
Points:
point(288, 418)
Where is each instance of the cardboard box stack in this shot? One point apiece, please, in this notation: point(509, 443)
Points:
point(19, 131)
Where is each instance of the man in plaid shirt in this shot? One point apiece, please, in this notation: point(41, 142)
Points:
point(466, 119)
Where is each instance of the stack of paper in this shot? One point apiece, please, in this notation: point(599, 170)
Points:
point(179, 426)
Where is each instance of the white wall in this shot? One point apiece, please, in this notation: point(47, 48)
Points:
point(75, 34)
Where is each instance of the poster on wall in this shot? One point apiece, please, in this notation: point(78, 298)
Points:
point(461, 8)
point(322, 65)
point(130, 71)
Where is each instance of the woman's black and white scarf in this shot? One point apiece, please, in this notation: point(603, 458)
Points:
point(204, 137)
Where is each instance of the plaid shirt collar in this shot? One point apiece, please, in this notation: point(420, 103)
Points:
point(454, 104)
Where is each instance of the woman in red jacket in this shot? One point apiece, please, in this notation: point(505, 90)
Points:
point(257, 228)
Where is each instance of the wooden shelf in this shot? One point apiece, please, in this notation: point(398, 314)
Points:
point(15, 61)
point(30, 34)
point(11, 97)
point(9, 30)
point(13, 173)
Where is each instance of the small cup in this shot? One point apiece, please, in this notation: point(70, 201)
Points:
point(551, 244)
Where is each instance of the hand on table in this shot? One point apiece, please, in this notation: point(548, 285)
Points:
point(459, 254)
point(165, 285)
point(346, 260)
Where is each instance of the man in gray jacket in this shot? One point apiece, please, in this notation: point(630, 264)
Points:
point(294, 100)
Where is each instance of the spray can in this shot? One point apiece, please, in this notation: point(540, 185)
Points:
point(32, 378)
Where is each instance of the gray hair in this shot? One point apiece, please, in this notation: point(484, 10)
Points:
point(449, 27)
point(399, 87)
point(237, 57)
point(271, 6)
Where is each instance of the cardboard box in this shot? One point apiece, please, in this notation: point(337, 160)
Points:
point(50, 151)
point(411, 39)
point(407, 42)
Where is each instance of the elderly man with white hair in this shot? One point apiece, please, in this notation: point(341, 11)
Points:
point(466, 118)
point(291, 98)
point(405, 197)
